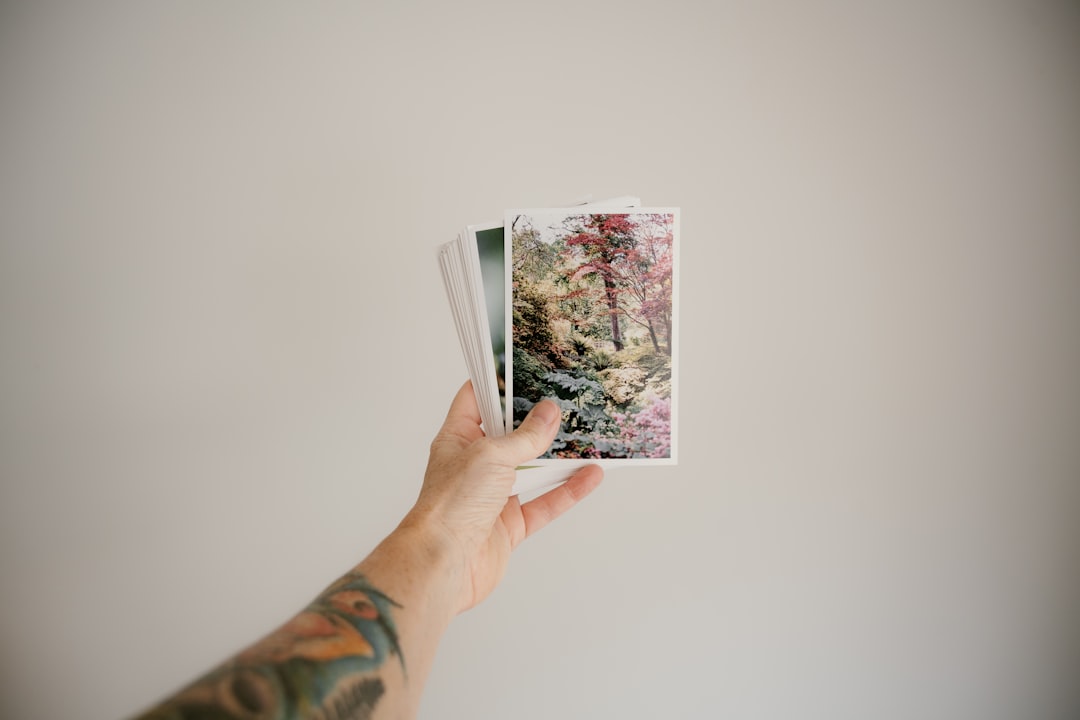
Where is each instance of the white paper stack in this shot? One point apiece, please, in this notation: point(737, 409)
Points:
point(583, 299)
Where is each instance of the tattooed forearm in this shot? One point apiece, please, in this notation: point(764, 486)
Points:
point(354, 702)
point(314, 666)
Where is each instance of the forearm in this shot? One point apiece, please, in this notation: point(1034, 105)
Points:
point(362, 649)
point(422, 573)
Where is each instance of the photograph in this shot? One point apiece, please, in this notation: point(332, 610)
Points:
point(592, 324)
point(491, 251)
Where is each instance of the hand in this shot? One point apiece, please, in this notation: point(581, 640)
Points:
point(467, 486)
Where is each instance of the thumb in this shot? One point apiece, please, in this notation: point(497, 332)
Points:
point(534, 435)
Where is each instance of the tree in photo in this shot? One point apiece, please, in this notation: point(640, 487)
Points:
point(631, 255)
point(603, 243)
point(647, 281)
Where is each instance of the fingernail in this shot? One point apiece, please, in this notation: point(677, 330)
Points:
point(546, 412)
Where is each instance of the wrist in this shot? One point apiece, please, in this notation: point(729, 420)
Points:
point(424, 555)
point(430, 535)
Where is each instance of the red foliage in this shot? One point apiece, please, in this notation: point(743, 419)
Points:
point(632, 255)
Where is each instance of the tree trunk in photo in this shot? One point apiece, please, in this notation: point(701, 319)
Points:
point(652, 336)
point(613, 311)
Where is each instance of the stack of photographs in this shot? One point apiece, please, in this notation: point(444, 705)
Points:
point(578, 305)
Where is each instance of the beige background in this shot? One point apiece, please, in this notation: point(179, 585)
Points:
point(225, 345)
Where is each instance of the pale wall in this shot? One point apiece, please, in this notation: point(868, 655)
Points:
point(225, 345)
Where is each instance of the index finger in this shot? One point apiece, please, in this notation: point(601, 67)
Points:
point(463, 418)
point(539, 511)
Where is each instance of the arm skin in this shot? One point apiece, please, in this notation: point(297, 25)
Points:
point(364, 647)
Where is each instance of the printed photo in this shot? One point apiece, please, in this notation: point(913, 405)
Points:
point(593, 327)
point(491, 249)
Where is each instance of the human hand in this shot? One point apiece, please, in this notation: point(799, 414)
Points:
point(466, 492)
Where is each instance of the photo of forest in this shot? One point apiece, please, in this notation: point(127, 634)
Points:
point(592, 328)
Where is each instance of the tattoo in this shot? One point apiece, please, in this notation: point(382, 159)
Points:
point(307, 668)
point(353, 702)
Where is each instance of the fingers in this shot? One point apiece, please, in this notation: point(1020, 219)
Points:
point(539, 511)
point(533, 436)
point(463, 418)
